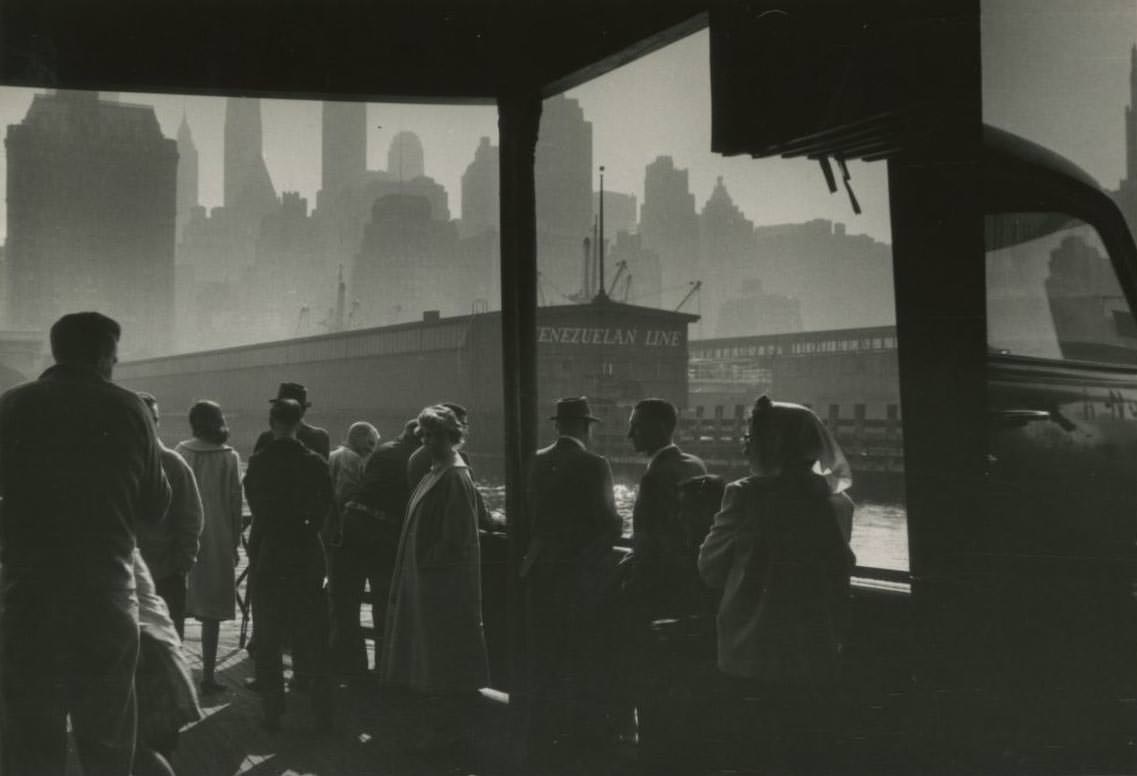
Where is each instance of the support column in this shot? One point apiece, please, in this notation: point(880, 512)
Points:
point(519, 113)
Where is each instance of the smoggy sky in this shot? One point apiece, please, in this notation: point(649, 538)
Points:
point(1054, 70)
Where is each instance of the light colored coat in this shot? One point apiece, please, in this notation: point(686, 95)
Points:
point(217, 468)
point(435, 641)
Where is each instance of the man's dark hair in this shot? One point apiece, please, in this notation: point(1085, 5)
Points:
point(84, 338)
point(286, 412)
point(659, 410)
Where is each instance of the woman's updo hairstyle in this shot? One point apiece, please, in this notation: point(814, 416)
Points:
point(442, 419)
point(208, 422)
point(783, 436)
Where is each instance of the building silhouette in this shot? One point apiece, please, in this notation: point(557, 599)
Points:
point(481, 203)
point(92, 204)
point(563, 172)
point(670, 227)
point(343, 143)
point(840, 280)
point(405, 157)
point(249, 192)
point(405, 263)
point(726, 257)
point(187, 175)
point(620, 212)
point(1126, 193)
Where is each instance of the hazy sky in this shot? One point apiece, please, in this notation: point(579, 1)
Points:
point(1054, 70)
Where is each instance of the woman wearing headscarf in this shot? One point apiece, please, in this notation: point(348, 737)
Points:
point(211, 597)
point(434, 639)
point(778, 551)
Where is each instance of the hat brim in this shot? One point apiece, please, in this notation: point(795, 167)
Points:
point(575, 417)
point(275, 399)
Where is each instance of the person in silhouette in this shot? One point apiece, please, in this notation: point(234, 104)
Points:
point(567, 567)
point(659, 545)
point(777, 552)
point(348, 542)
point(289, 491)
point(434, 641)
point(80, 467)
point(211, 595)
point(314, 438)
point(170, 547)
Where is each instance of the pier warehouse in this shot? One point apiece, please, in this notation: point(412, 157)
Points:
point(612, 352)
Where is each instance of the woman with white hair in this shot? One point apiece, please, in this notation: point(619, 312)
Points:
point(434, 640)
point(778, 550)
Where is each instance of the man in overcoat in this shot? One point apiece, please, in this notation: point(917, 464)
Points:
point(314, 438)
point(661, 557)
point(289, 491)
point(567, 569)
point(80, 467)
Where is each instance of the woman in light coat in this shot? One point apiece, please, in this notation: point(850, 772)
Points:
point(211, 596)
point(778, 551)
point(435, 644)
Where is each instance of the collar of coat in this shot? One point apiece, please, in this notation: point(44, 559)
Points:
point(201, 446)
point(661, 452)
point(572, 439)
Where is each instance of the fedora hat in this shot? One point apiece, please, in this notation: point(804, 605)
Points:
point(294, 391)
point(574, 409)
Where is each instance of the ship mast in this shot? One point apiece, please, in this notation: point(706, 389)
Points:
point(601, 293)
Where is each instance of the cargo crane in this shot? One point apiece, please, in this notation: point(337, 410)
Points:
point(695, 286)
point(621, 268)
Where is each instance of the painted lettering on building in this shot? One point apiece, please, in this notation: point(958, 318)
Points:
point(583, 335)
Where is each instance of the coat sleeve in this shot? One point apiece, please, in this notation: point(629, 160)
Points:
point(458, 527)
point(234, 490)
point(190, 518)
point(255, 496)
point(717, 553)
point(155, 492)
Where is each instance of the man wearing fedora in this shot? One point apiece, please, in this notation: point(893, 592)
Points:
point(567, 570)
point(314, 438)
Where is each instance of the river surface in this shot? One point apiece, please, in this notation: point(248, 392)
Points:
point(880, 530)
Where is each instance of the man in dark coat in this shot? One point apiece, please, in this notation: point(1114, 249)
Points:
point(289, 491)
point(371, 523)
point(80, 466)
point(314, 438)
point(661, 556)
point(662, 569)
point(567, 568)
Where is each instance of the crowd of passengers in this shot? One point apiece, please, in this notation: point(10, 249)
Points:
point(109, 541)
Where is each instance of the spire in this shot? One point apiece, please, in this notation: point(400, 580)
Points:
point(185, 137)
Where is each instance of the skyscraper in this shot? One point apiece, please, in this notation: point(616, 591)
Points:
point(249, 192)
point(481, 205)
point(405, 158)
point(187, 175)
point(92, 203)
point(1126, 194)
point(343, 143)
point(670, 227)
point(726, 252)
point(564, 173)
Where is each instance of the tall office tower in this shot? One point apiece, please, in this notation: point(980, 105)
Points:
point(249, 193)
point(343, 143)
point(481, 204)
point(670, 227)
point(187, 175)
point(92, 204)
point(405, 157)
point(726, 253)
point(564, 174)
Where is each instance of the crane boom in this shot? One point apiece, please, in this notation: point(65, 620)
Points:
point(695, 286)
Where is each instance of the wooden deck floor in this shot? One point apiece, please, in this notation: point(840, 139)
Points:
point(369, 736)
